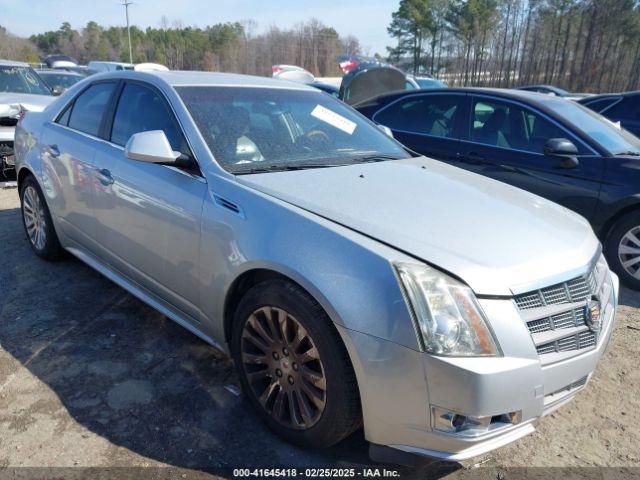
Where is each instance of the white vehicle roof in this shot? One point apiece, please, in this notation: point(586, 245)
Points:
point(150, 67)
point(11, 63)
point(63, 64)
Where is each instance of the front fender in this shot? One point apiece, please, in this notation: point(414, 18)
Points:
point(350, 275)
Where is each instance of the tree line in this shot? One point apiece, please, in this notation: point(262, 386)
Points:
point(228, 47)
point(580, 45)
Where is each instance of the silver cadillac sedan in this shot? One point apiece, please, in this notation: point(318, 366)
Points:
point(353, 282)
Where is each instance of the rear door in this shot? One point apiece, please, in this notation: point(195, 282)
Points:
point(150, 214)
point(505, 140)
point(427, 123)
point(69, 145)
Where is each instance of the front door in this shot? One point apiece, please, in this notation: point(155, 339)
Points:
point(505, 141)
point(150, 214)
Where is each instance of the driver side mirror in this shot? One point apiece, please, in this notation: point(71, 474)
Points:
point(151, 147)
point(57, 91)
point(386, 130)
point(564, 149)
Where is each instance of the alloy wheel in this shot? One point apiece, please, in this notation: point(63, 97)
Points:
point(34, 217)
point(283, 368)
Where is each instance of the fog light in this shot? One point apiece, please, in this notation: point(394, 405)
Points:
point(466, 425)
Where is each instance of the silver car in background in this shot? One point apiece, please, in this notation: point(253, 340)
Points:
point(21, 90)
point(352, 282)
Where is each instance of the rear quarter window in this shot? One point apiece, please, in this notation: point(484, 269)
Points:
point(600, 104)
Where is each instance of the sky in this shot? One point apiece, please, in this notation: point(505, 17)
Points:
point(365, 19)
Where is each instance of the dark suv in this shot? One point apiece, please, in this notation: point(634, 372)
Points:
point(547, 145)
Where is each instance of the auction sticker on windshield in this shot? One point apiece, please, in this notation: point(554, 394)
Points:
point(334, 119)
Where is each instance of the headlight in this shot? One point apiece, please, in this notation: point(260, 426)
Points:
point(449, 317)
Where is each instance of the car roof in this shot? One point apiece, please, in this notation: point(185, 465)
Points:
point(58, 72)
point(11, 63)
point(608, 95)
point(176, 78)
point(512, 94)
point(109, 62)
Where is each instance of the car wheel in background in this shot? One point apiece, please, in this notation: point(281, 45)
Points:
point(622, 249)
point(293, 365)
point(37, 221)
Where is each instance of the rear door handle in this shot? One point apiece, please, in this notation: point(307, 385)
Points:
point(104, 177)
point(53, 150)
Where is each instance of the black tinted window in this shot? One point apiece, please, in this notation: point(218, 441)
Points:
point(424, 114)
point(627, 108)
point(89, 107)
point(601, 103)
point(506, 125)
point(140, 109)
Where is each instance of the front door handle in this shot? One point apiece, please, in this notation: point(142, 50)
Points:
point(104, 177)
point(53, 150)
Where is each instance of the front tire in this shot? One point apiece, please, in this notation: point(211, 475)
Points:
point(37, 222)
point(622, 249)
point(293, 365)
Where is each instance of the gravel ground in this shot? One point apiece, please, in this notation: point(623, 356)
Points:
point(92, 377)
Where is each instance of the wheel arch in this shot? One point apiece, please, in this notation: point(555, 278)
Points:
point(23, 173)
point(256, 274)
point(610, 223)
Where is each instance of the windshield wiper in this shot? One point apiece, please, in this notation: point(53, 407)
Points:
point(376, 158)
point(288, 168)
point(630, 153)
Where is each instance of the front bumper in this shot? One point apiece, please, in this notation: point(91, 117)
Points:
point(397, 396)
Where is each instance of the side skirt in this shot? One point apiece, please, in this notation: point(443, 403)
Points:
point(147, 297)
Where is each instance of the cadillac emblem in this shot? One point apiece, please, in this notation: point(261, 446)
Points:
point(592, 315)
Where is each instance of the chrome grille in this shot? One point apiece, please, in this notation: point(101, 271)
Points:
point(572, 386)
point(584, 339)
point(557, 329)
point(575, 290)
point(568, 319)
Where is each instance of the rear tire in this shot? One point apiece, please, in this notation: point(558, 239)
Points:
point(37, 222)
point(622, 249)
point(293, 365)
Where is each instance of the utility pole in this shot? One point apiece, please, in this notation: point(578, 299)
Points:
point(126, 4)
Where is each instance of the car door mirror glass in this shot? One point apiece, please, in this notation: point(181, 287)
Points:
point(151, 147)
point(564, 149)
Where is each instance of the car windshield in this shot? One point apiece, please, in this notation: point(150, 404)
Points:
point(268, 129)
point(429, 83)
point(21, 80)
point(60, 79)
point(613, 138)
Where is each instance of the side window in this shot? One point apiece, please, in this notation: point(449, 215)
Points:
point(601, 103)
point(503, 124)
point(88, 109)
point(141, 110)
point(64, 118)
point(433, 115)
point(626, 109)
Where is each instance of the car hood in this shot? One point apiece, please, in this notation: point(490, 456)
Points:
point(499, 239)
point(30, 102)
